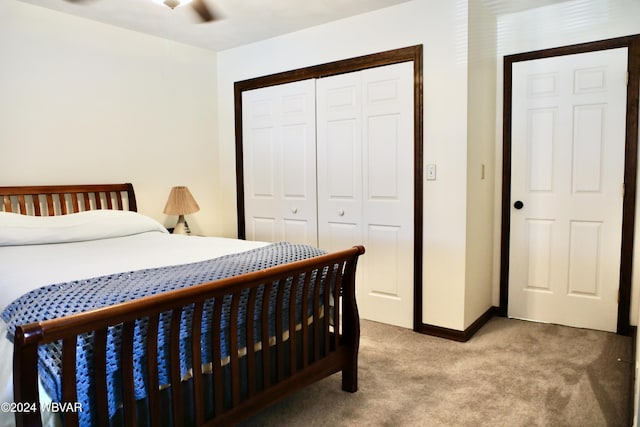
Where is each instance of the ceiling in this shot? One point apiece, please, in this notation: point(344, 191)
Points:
point(243, 21)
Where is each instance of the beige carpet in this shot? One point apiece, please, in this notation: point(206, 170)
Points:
point(511, 373)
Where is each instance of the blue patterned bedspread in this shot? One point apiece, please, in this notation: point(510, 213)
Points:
point(63, 299)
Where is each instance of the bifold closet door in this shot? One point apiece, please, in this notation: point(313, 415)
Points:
point(365, 140)
point(279, 156)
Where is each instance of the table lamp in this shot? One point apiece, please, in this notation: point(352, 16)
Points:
point(181, 203)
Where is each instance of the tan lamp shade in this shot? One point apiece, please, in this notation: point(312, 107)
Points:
point(181, 202)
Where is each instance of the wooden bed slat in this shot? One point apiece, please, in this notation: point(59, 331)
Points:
point(49, 198)
point(234, 346)
point(98, 200)
point(293, 342)
point(119, 203)
point(62, 201)
point(316, 317)
point(126, 361)
point(69, 393)
point(280, 352)
point(216, 355)
point(196, 351)
point(21, 202)
point(36, 205)
point(327, 312)
point(74, 202)
point(176, 375)
point(100, 375)
point(107, 195)
point(305, 311)
point(251, 353)
point(264, 339)
point(152, 371)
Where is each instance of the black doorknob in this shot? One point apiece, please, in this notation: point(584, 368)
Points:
point(518, 205)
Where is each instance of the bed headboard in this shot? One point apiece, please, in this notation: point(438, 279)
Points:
point(50, 200)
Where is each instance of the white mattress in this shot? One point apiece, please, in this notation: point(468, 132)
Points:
point(23, 268)
point(27, 267)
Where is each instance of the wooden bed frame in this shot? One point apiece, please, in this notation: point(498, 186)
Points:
point(312, 353)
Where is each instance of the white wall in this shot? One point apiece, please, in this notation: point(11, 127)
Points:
point(480, 161)
point(441, 26)
point(84, 102)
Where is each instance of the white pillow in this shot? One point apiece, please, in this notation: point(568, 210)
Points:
point(17, 229)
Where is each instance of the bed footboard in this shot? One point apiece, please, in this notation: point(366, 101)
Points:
point(273, 349)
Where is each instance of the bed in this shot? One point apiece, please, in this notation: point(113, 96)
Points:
point(141, 327)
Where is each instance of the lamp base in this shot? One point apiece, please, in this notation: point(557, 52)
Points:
point(182, 227)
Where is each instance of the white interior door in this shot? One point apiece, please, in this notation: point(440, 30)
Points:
point(365, 183)
point(567, 173)
point(279, 149)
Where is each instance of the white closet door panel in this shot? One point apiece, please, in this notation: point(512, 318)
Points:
point(298, 202)
point(388, 192)
point(298, 231)
point(262, 229)
point(383, 265)
point(262, 162)
point(383, 151)
point(340, 235)
point(343, 151)
point(365, 183)
point(295, 174)
point(339, 149)
point(280, 163)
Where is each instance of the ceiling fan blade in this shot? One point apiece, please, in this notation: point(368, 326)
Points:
point(203, 11)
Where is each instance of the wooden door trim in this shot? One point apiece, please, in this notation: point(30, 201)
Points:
point(630, 172)
point(411, 53)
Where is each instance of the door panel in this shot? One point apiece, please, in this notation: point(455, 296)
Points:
point(279, 150)
point(262, 229)
point(339, 151)
point(388, 189)
point(384, 265)
point(339, 235)
point(365, 186)
point(584, 257)
point(568, 141)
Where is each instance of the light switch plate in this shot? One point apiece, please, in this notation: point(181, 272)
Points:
point(431, 172)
